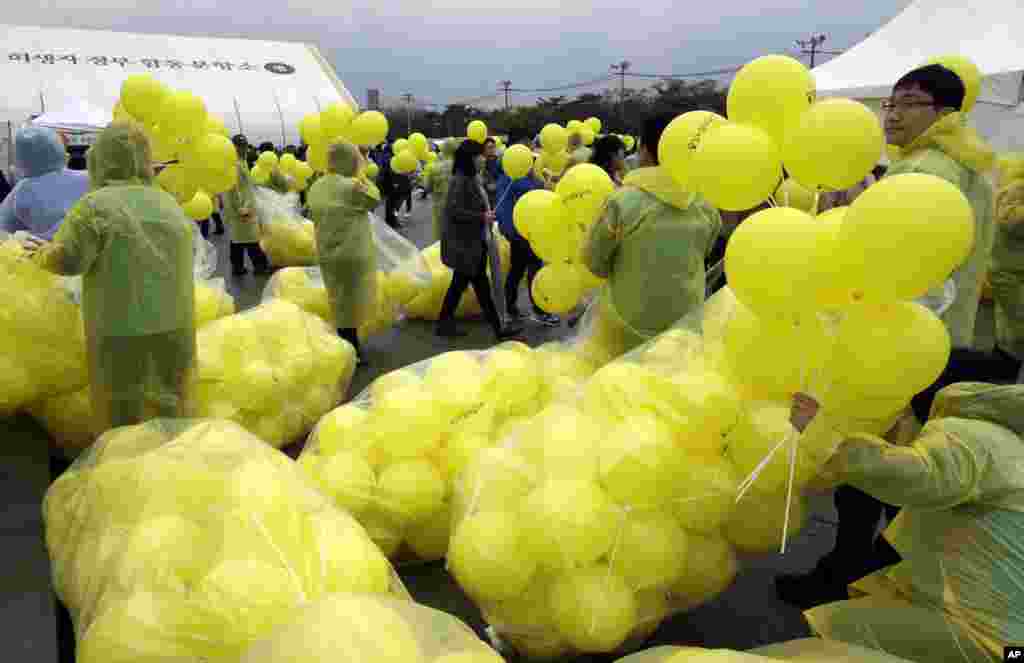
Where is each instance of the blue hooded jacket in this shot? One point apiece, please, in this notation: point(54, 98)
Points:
point(519, 188)
point(46, 190)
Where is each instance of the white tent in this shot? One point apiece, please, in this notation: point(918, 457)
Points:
point(259, 88)
point(989, 33)
point(79, 116)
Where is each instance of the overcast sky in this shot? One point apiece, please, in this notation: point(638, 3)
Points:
point(445, 50)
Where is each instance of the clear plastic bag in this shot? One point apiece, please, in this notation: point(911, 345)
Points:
point(427, 305)
point(391, 454)
point(288, 239)
point(43, 352)
point(204, 257)
point(402, 274)
point(69, 417)
point(188, 540)
point(274, 369)
point(809, 650)
point(372, 629)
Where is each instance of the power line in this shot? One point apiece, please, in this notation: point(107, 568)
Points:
point(812, 46)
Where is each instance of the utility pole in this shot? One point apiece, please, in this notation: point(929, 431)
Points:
point(811, 46)
point(621, 69)
point(505, 85)
point(408, 113)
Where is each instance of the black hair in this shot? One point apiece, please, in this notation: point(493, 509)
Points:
point(518, 135)
point(650, 135)
point(944, 86)
point(290, 149)
point(465, 158)
point(605, 149)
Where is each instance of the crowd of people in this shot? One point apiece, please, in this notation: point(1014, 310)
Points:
point(949, 570)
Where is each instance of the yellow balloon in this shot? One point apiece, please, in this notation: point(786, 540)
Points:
point(934, 224)
point(317, 157)
point(557, 162)
point(184, 114)
point(766, 260)
point(556, 239)
point(629, 142)
point(517, 161)
point(372, 170)
point(199, 208)
point(404, 163)
point(554, 138)
point(431, 157)
point(586, 136)
point(969, 74)
point(335, 120)
point(833, 145)
point(793, 194)
point(477, 131)
point(214, 152)
point(573, 127)
point(217, 182)
point(175, 181)
point(165, 147)
point(680, 141)
point(594, 124)
point(531, 210)
point(736, 167)
point(557, 288)
point(399, 146)
point(120, 114)
point(260, 174)
point(267, 160)
point(288, 163)
point(369, 128)
point(888, 351)
point(771, 93)
point(311, 130)
point(143, 97)
point(418, 143)
point(215, 125)
point(584, 191)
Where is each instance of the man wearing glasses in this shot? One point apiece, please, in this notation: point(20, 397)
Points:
point(924, 118)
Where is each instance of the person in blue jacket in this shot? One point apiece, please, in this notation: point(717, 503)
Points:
point(46, 190)
point(524, 262)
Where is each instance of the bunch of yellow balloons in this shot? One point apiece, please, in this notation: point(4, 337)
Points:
point(274, 369)
point(193, 539)
point(426, 305)
point(340, 121)
point(180, 129)
point(556, 225)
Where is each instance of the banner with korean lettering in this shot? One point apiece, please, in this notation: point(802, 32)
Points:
point(259, 88)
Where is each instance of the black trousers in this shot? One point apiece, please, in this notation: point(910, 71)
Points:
point(391, 205)
point(858, 552)
point(968, 366)
point(256, 255)
point(407, 198)
point(481, 286)
point(351, 335)
point(204, 226)
point(523, 262)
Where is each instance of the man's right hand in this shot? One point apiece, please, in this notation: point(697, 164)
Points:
point(489, 217)
point(245, 215)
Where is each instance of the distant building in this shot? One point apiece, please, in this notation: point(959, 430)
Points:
point(373, 99)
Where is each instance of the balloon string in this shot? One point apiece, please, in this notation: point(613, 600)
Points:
point(817, 200)
point(504, 194)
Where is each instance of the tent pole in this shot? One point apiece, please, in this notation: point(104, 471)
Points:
point(280, 115)
point(317, 102)
point(42, 102)
point(238, 117)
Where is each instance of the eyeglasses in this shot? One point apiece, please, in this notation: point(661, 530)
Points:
point(889, 106)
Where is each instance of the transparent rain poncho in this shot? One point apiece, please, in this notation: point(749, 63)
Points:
point(951, 150)
point(241, 198)
point(340, 204)
point(958, 594)
point(437, 184)
point(133, 246)
point(1007, 271)
point(650, 245)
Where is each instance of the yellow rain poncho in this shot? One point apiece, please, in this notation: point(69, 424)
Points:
point(437, 184)
point(132, 244)
point(650, 245)
point(953, 151)
point(340, 204)
point(1007, 272)
point(235, 201)
point(958, 594)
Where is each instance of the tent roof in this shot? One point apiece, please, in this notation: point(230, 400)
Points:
point(986, 32)
point(259, 88)
point(80, 115)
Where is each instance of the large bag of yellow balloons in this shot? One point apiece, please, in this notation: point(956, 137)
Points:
point(274, 369)
point(427, 305)
point(390, 456)
point(43, 353)
point(402, 274)
point(808, 650)
point(189, 540)
point(372, 629)
point(288, 239)
point(68, 417)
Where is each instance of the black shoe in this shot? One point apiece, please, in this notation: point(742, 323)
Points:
point(361, 361)
point(575, 320)
point(509, 332)
point(263, 271)
point(218, 231)
point(449, 331)
point(811, 589)
point(514, 315)
point(240, 272)
point(546, 319)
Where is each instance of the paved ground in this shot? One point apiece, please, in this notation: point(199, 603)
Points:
point(747, 615)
